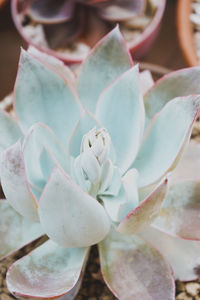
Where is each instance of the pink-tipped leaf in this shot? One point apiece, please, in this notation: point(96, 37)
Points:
point(134, 270)
point(15, 183)
point(50, 271)
point(183, 255)
point(165, 138)
point(145, 213)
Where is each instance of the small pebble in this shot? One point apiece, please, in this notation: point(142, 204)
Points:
point(192, 288)
point(183, 296)
point(6, 297)
point(180, 286)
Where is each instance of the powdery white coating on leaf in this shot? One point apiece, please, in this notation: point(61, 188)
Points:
point(134, 270)
point(146, 81)
point(183, 255)
point(41, 94)
point(47, 272)
point(86, 122)
point(41, 150)
point(162, 143)
point(15, 230)
point(122, 100)
point(54, 62)
point(189, 166)
point(180, 215)
point(15, 184)
point(145, 213)
point(9, 130)
point(108, 60)
point(79, 219)
point(176, 84)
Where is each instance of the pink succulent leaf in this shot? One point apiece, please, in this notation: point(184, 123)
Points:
point(183, 255)
point(120, 10)
point(50, 11)
point(41, 94)
point(146, 81)
point(54, 62)
point(179, 215)
point(189, 165)
point(10, 131)
point(86, 122)
point(61, 34)
point(15, 230)
point(15, 183)
point(176, 84)
point(50, 271)
point(122, 100)
point(41, 150)
point(160, 150)
point(79, 220)
point(133, 269)
point(111, 57)
point(145, 213)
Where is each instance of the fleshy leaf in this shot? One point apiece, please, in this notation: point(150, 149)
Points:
point(189, 165)
point(39, 139)
point(15, 184)
point(54, 62)
point(106, 62)
point(145, 213)
point(126, 198)
point(183, 255)
point(85, 124)
point(79, 219)
point(115, 184)
point(113, 204)
point(122, 100)
point(133, 269)
point(163, 142)
point(15, 230)
point(179, 215)
point(51, 11)
point(49, 271)
point(146, 81)
point(41, 94)
point(180, 83)
point(130, 183)
point(9, 130)
point(121, 10)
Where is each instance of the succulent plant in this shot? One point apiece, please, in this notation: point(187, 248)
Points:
point(68, 28)
point(85, 161)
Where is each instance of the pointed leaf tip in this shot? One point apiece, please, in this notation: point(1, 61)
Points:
point(111, 57)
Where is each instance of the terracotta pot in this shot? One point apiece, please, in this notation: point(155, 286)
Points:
point(185, 32)
point(138, 48)
point(2, 2)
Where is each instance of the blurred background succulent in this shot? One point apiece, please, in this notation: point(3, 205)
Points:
point(70, 28)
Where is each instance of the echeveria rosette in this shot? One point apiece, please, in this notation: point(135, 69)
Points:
point(87, 159)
